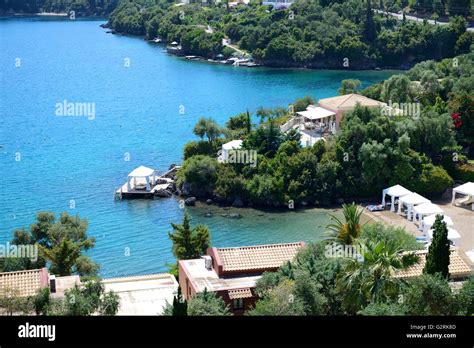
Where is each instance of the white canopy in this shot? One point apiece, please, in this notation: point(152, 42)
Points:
point(470, 255)
point(232, 145)
point(395, 191)
point(141, 172)
point(452, 234)
point(430, 220)
point(414, 198)
point(426, 209)
point(316, 112)
point(465, 189)
point(410, 200)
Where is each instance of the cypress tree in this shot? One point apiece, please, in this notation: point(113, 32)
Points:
point(369, 29)
point(180, 306)
point(249, 123)
point(437, 260)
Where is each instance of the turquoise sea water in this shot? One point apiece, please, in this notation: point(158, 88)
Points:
point(52, 163)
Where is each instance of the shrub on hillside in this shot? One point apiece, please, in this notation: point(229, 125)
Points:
point(434, 180)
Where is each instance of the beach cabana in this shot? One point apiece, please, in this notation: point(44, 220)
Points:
point(429, 221)
point(316, 113)
point(425, 209)
point(316, 117)
point(394, 192)
point(231, 145)
point(453, 235)
point(466, 189)
point(410, 201)
point(470, 255)
point(140, 177)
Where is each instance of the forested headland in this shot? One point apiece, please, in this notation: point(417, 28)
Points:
point(80, 7)
point(370, 151)
point(313, 34)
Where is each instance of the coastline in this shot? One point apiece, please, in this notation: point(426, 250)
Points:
point(260, 64)
point(49, 14)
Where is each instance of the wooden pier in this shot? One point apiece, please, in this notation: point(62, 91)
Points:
point(144, 182)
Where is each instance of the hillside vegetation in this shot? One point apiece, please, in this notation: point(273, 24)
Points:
point(315, 34)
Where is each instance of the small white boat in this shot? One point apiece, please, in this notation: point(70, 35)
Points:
point(241, 61)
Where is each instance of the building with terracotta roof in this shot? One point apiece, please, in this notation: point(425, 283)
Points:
point(29, 282)
point(232, 273)
point(458, 267)
point(24, 283)
point(348, 102)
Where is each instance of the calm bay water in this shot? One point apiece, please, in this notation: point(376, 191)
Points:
point(46, 161)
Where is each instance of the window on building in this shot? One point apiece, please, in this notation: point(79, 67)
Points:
point(238, 303)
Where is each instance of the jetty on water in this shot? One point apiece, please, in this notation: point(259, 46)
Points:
point(144, 182)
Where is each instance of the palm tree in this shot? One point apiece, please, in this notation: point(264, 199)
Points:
point(372, 279)
point(346, 232)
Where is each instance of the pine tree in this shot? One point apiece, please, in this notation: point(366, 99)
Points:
point(437, 260)
point(188, 242)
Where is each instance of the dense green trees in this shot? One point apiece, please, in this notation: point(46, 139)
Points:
point(372, 280)
point(90, 298)
point(61, 242)
point(390, 235)
point(80, 7)
point(429, 295)
point(200, 174)
point(202, 304)
point(466, 297)
point(12, 304)
point(320, 282)
point(207, 304)
point(424, 295)
point(336, 34)
point(280, 301)
point(372, 149)
point(375, 150)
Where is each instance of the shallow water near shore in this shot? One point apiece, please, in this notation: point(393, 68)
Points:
point(75, 164)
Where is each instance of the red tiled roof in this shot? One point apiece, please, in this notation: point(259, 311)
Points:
point(349, 101)
point(458, 268)
point(23, 283)
point(240, 293)
point(258, 257)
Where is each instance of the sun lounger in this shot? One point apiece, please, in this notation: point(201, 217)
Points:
point(466, 200)
point(375, 207)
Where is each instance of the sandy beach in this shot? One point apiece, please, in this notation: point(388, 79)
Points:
point(462, 216)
